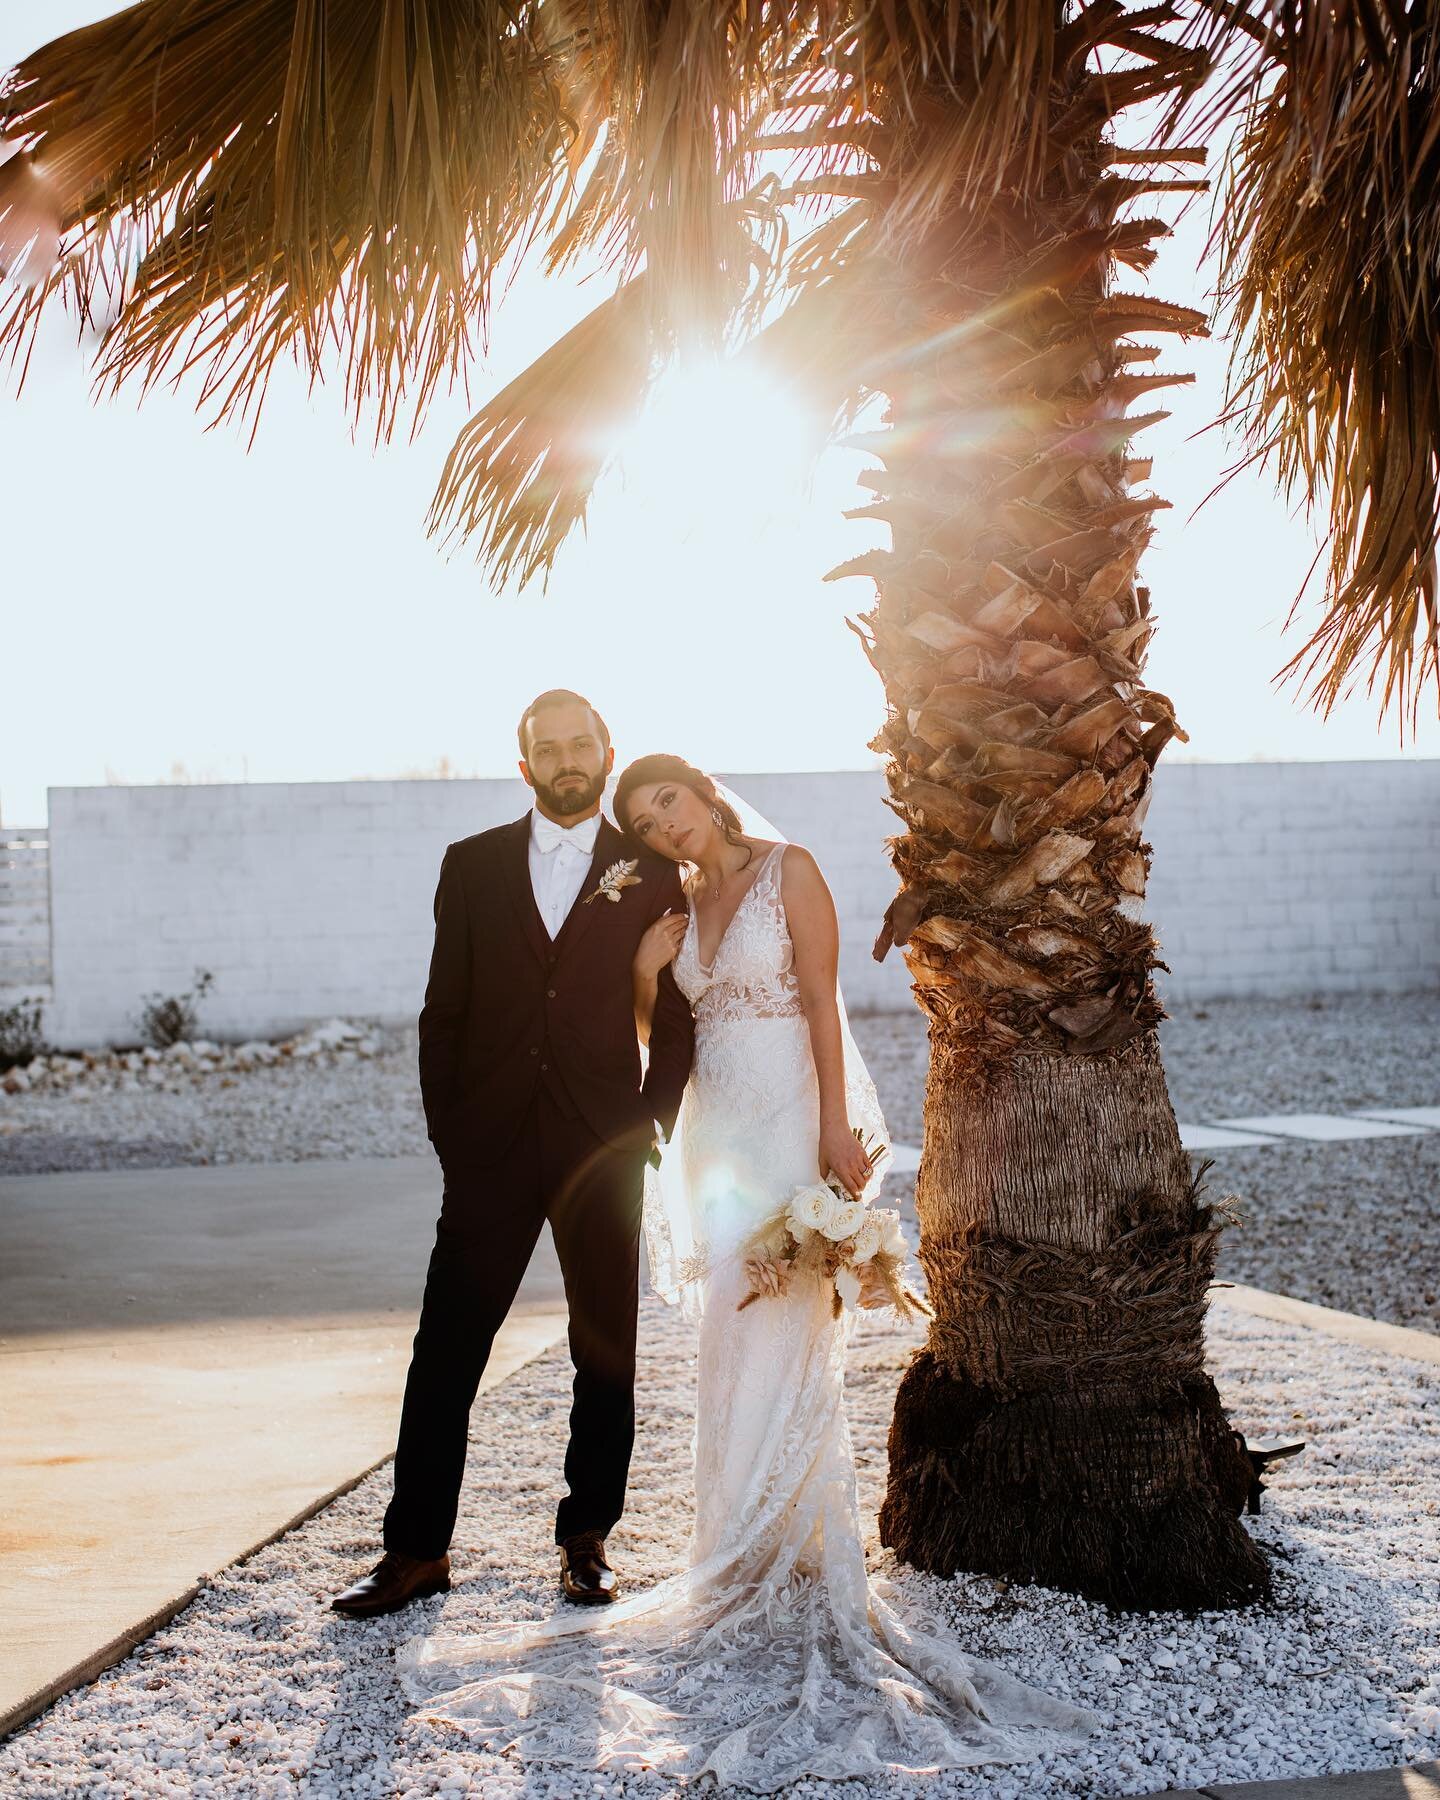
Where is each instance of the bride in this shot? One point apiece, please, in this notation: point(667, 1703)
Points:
point(773, 1656)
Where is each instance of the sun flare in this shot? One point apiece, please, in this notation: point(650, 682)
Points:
point(717, 445)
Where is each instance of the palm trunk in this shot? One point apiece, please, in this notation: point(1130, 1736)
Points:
point(1059, 1425)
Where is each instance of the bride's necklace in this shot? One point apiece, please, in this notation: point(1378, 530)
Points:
point(715, 888)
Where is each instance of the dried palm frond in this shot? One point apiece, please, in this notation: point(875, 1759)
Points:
point(300, 175)
point(1330, 271)
point(520, 474)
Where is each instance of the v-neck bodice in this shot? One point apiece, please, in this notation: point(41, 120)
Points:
point(752, 972)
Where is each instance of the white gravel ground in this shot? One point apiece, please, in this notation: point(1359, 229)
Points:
point(257, 1690)
point(312, 1098)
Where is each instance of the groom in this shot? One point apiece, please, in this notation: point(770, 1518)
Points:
point(530, 1076)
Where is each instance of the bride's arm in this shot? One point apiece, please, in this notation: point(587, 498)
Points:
point(656, 950)
point(815, 933)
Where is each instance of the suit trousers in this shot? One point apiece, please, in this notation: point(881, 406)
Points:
point(554, 1168)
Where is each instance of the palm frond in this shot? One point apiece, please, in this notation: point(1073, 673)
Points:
point(828, 349)
point(681, 85)
point(1329, 252)
point(302, 174)
point(520, 474)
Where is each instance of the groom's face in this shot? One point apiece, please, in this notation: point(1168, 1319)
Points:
point(566, 760)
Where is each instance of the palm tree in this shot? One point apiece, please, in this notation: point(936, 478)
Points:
point(925, 203)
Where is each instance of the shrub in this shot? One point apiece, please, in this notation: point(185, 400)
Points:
point(21, 1039)
point(167, 1019)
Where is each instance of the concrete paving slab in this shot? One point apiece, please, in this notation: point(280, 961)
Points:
point(1351, 1328)
point(1428, 1116)
point(1418, 1781)
point(1324, 1127)
point(192, 1358)
point(1212, 1137)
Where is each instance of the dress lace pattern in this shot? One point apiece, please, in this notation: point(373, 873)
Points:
point(773, 1657)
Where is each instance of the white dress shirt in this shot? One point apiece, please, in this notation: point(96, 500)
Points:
point(559, 861)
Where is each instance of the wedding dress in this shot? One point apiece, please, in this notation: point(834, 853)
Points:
point(773, 1657)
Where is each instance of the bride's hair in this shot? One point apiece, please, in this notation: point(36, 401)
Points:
point(650, 771)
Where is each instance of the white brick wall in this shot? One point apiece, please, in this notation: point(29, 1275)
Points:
point(309, 899)
point(1286, 878)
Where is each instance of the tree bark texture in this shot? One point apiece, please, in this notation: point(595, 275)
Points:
point(1059, 1425)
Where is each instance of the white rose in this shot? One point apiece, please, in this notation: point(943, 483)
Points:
point(810, 1209)
point(868, 1239)
point(845, 1220)
point(892, 1237)
point(847, 1286)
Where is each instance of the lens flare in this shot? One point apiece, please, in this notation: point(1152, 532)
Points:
point(716, 443)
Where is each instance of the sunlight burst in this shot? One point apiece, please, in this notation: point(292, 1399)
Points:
point(717, 447)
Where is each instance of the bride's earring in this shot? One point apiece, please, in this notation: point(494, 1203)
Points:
point(717, 815)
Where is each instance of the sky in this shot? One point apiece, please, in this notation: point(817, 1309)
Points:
point(175, 607)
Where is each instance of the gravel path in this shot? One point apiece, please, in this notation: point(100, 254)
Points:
point(1352, 1225)
point(327, 1104)
point(257, 1691)
point(1230, 1058)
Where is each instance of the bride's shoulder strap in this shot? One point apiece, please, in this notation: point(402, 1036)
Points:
point(771, 868)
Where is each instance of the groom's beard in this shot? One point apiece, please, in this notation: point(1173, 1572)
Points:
point(564, 802)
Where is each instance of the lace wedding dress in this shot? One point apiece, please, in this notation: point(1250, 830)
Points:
point(773, 1657)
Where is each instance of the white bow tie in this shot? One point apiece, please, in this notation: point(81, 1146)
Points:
point(579, 840)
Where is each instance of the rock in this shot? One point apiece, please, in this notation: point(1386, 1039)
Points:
point(333, 1033)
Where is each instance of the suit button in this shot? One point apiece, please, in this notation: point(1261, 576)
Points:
point(549, 993)
point(544, 1067)
point(534, 1049)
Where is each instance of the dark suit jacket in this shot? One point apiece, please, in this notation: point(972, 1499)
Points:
point(506, 1009)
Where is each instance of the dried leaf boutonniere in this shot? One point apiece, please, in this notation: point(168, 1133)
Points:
point(616, 878)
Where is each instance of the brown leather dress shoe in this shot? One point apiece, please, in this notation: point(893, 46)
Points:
point(394, 1582)
point(585, 1576)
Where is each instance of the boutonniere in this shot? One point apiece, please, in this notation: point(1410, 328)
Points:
point(616, 878)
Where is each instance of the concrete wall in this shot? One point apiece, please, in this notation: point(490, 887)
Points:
point(1296, 878)
point(310, 899)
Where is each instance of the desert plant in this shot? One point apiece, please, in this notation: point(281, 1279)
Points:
point(22, 1038)
point(167, 1019)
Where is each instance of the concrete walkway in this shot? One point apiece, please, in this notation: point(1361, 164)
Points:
point(1421, 1781)
point(193, 1360)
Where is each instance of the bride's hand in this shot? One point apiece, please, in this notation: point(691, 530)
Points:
point(660, 945)
point(874, 1290)
point(842, 1157)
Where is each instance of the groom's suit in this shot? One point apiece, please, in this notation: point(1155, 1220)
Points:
point(534, 1100)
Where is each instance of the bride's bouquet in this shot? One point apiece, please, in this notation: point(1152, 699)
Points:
point(853, 1248)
